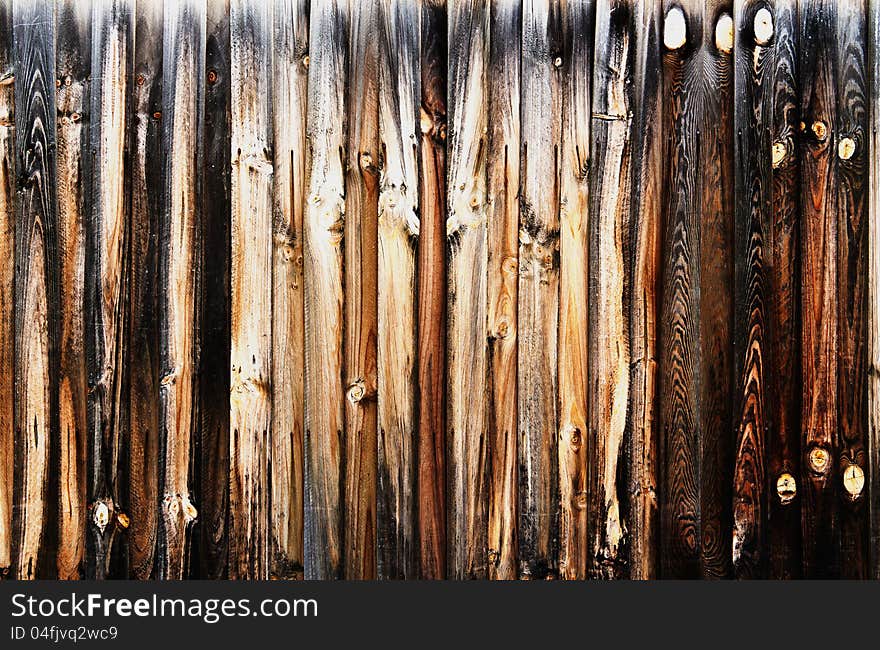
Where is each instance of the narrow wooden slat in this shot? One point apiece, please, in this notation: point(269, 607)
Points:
point(250, 25)
point(147, 172)
point(850, 142)
point(874, 286)
point(716, 183)
point(679, 364)
point(361, 294)
point(214, 376)
point(608, 362)
point(783, 440)
point(7, 281)
point(503, 216)
point(754, 289)
point(36, 281)
point(819, 272)
point(644, 315)
point(431, 326)
point(290, 86)
point(399, 120)
point(466, 233)
point(538, 290)
point(72, 63)
point(106, 269)
point(182, 101)
point(324, 227)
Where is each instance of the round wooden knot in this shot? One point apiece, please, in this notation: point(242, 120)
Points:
point(74, 117)
point(820, 130)
point(557, 62)
point(819, 460)
point(763, 26)
point(123, 520)
point(101, 515)
point(724, 33)
point(140, 80)
point(786, 488)
point(854, 480)
point(674, 29)
point(356, 392)
point(846, 148)
point(366, 160)
point(212, 77)
point(157, 115)
point(58, 83)
point(425, 121)
point(778, 152)
point(305, 61)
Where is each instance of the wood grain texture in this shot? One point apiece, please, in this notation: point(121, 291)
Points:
point(324, 227)
point(7, 281)
point(214, 377)
point(644, 315)
point(431, 273)
point(250, 27)
point(106, 268)
point(361, 294)
point(783, 440)
point(147, 191)
point(574, 230)
point(182, 100)
point(679, 365)
point(503, 216)
point(36, 284)
point(608, 361)
point(73, 67)
point(538, 291)
point(874, 286)
point(850, 125)
point(467, 308)
point(399, 121)
point(290, 89)
point(819, 291)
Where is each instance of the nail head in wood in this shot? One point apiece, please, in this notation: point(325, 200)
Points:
point(674, 29)
point(763, 26)
point(724, 33)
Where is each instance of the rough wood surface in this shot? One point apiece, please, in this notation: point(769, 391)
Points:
point(467, 263)
point(182, 101)
point(644, 315)
point(431, 397)
point(36, 283)
point(324, 227)
point(147, 172)
point(73, 67)
point(609, 244)
point(250, 29)
point(874, 286)
point(359, 508)
point(503, 216)
point(399, 121)
point(289, 99)
point(7, 281)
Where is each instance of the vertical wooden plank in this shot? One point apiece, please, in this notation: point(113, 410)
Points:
point(182, 101)
point(754, 290)
point(850, 142)
point(324, 227)
point(72, 62)
point(106, 269)
point(147, 172)
point(874, 286)
point(503, 215)
point(399, 100)
point(819, 272)
point(250, 25)
point(7, 281)
point(361, 294)
point(214, 376)
point(431, 400)
point(36, 281)
point(679, 323)
point(644, 317)
point(467, 262)
point(290, 86)
point(609, 244)
point(716, 206)
point(538, 290)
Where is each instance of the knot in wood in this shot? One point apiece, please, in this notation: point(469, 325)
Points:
point(212, 77)
point(357, 391)
point(101, 515)
point(763, 26)
point(854, 480)
point(846, 148)
point(786, 488)
point(141, 79)
point(674, 29)
point(724, 33)
point(123, 520)
point(305, 61)
point(820, 130)
point(778, 152)
point(818, 460)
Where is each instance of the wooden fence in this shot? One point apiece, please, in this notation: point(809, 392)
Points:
point(462, 288)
